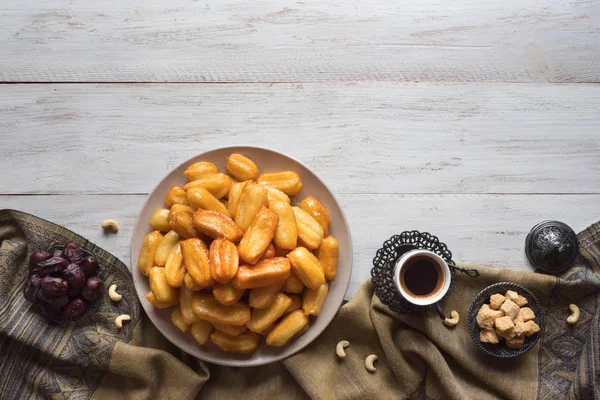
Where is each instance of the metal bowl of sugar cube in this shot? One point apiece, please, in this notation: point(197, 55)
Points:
point(505, 320)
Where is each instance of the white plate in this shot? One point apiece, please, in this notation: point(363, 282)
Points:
point(267, 161)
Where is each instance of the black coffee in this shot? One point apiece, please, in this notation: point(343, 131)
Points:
point(421, 276)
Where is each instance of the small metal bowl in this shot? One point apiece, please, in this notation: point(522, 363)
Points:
point(501, 350)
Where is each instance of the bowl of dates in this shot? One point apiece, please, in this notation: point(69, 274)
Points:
point(63, 282)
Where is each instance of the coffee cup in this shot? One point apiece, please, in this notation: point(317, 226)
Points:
point(422, 278)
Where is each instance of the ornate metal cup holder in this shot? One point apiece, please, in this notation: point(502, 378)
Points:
point(384, 262)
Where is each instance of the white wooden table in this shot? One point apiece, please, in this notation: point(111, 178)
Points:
point(471, 120)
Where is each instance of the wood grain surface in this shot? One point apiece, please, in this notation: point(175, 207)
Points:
point(299, 41)
point(470, 120)
point(360, 138)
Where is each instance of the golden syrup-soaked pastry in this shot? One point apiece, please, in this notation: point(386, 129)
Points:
point(264, 273)
point(286, 234)
point(201, 331)
point(269, 252)
point(224, 260)
point(310, 232)
point(160, 220)
point(148, 251)
point(185, 305)
point(178, 321)
point(174, 268)
point(152, 299)
point(258, 236)
point(250, 202)
point(316, 210)
point(327, 254)
point(182, 223)
point(263, 318)
point(307, 267)
point(215, 224)
point(226, 294)
point(276, 195)
point(159, 286)
point(263, 296)
point(200, 170)
point(206, 307)
point(200, 197)
point(167, 243)
point(231, 330)
point(296, 303)
point(195, 258)
point(287, 181)
point(313, 299)
point(293, 284)
point(291, 325)
point(218, 184)
point(247, 342)
point(176, 195)
point(189, 283)
point(241, 168)
point(175, 208)
point(234, 196)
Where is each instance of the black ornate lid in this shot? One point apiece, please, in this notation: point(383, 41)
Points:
point(551, 246)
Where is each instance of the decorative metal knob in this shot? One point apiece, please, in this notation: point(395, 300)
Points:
point(551, 246)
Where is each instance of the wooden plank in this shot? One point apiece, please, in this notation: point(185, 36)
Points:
point(360, 138)
point(478, 229)
point(292, 41)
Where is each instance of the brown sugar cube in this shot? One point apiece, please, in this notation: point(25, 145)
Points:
point(510, 308)
point(486, 317)
point(515, 342)
point(488, 336)
point(520, 328)
point(512, 295)
point(531, 328)
point(504, 325)
point(496, 301)
point(526, 314)
point(521, 301)
point(507, 335)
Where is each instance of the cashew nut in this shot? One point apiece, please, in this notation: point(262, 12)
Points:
point(110, 224)
point(112, 293)
point(119, 320)
point(575, 313)
point(339, 349)
point(454, 320)
point(369, 363)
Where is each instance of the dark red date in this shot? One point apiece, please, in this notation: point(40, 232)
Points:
point(56, 301)
point(32, 288)
point(89, 266)
point(52, 286)
point(52, 265)
point(72, 253)
point(75, 309)
point(36, 258)
point(74, 277)
point(93, 289)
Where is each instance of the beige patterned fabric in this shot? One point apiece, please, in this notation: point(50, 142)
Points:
point(418, 357)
